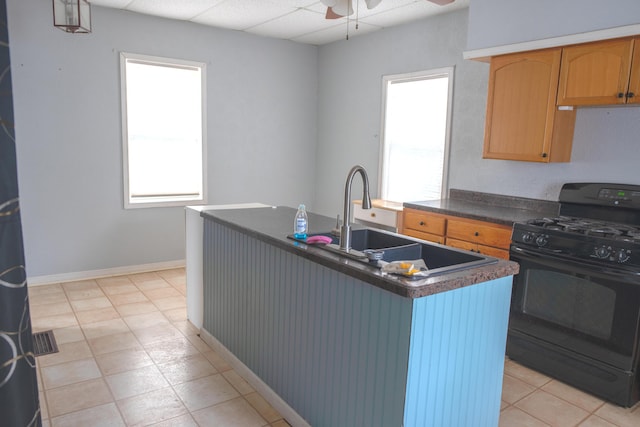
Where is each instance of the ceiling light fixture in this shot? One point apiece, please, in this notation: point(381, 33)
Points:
point(339, 8)
point(72, 16)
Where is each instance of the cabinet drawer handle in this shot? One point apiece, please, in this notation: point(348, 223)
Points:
point(630, 95)
point(543, 155)
point(620, 95)
point(476, 234)
point(373, 215)
point(421, 222)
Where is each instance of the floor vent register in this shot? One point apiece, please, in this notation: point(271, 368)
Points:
point(44, 343)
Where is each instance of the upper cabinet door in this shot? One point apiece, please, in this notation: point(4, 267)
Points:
point(633, 93)
point(595, 73)
point(522, 122)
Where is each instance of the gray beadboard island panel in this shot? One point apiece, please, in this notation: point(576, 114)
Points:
point(341, 351)
point(333, 347)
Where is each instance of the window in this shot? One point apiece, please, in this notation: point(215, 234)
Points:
point(163, 121)
point(415, 135)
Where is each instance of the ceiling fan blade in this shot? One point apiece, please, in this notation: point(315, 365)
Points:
point(342, 8)
point(441, 2)
point(372, 3)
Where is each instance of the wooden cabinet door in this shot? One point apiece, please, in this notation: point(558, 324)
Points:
point(634, 77)
point(522, 122)
point(595, 73)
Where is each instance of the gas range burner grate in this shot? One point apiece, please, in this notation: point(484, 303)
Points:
point(589, 227)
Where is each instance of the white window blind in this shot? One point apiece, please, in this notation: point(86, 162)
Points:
point(163, 131)
point(415, 146)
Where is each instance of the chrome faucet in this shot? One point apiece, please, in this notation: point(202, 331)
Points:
point(345, 230)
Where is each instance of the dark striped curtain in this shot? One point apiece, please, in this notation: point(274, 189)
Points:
point(18, 384)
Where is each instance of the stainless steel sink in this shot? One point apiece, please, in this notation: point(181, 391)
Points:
point(369, 246)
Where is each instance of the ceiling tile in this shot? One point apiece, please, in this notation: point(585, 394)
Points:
point(337, 32)
point(299, 20)
point(244, 14)
point(177, 9)
point(297, 23)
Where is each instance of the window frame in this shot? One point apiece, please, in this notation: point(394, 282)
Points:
point(168, 201)
point(407, 77)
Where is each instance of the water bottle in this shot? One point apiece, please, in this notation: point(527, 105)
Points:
point(301, 223)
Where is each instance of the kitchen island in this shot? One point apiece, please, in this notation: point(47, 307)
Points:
point(332, 341)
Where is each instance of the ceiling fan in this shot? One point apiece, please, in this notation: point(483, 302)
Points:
point(339, 8)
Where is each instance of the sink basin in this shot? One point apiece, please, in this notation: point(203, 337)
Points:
point(439, 259)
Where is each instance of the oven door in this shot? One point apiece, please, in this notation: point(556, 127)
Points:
point(588, 310)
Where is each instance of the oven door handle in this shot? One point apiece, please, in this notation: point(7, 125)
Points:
point(564, 263)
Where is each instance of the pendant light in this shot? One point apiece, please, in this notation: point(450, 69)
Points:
point(72, 16)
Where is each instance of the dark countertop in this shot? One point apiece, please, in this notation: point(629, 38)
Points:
point(494, 208)
point(273, 224)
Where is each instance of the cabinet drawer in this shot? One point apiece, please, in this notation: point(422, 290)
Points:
point(424, 222)
point(481, 249)
point(494, 252)
point(484, 233)
point(424, 236)
point(376, 215)
point(461, 244)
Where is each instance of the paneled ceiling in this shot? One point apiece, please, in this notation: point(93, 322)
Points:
point(298, 20)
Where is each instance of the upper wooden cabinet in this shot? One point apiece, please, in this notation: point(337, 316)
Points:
point(600, 73)
point(522, 121)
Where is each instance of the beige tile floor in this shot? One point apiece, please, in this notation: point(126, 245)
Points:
point(534, 400)
point(128, 356)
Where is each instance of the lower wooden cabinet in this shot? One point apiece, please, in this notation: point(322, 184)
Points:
point(481, 249)
point(483, 237)
point(429, 227)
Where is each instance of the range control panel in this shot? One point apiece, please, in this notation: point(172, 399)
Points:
point(617, 195)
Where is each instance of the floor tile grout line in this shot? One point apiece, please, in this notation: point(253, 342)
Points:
point(66, 291)
point(102, 375)
point(589, 413)
point(221, 373)
point(158, 365)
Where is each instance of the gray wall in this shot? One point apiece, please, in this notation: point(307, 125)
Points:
point(262, 114)
point(604, 147)
point(500, 22)
point(268, 101)
point(350, 92)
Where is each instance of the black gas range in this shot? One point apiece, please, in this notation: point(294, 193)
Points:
point(602, 242)
point(575, 309)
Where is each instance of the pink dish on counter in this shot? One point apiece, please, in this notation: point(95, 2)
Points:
point(319, 240)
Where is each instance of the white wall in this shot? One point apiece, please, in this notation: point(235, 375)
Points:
point(262, 116)
point(501, 22)
point(605, 141)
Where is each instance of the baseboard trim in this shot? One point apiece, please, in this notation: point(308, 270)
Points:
point(107, 272)
point(260, 386)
